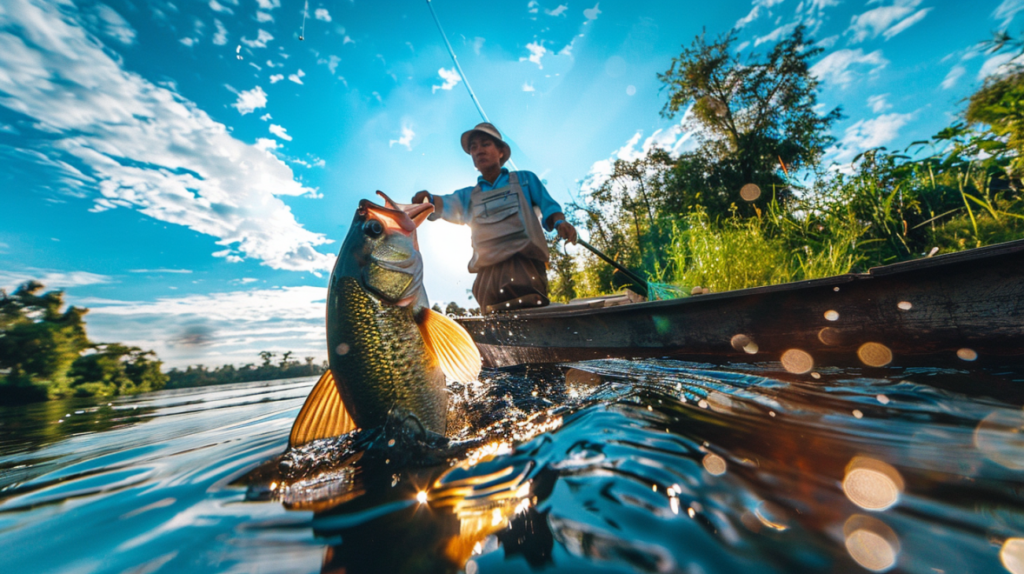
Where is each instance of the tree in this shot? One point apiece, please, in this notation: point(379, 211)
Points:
point(116, 369)
point(267, 357)
point(39, 341)
point(753, 119)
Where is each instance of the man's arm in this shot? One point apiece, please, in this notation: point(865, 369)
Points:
point(552, 216)
point(449, 207)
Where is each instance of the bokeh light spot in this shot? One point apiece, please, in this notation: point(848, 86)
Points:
point(831, 315)
point(1000, 436)
point(1012, 555)
point(872, 484)
point(797, 362)
point(714, 464)
point(871, 543)
point(874, 354)
point(967, 354)
point(750, 192)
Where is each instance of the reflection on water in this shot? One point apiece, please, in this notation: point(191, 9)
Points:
point(609, 466)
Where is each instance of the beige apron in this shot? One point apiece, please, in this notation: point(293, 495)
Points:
point(504, 224)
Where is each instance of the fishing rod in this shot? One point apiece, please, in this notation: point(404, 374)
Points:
point(640, 284)
point(458, 67)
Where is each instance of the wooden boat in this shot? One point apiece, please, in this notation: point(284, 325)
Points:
point(966, 306)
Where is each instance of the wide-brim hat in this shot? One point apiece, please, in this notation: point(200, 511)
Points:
point(489, 129)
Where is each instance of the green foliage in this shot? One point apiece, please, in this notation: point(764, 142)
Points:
point(751, 117)
point(42, 346)
point(200, 376)
point(680, 220)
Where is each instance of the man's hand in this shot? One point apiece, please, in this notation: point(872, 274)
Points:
point(567, 232)
point(422, 196)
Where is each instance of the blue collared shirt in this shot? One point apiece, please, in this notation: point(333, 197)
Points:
point(456, 205)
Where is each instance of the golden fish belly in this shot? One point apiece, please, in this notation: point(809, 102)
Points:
point(379, 359)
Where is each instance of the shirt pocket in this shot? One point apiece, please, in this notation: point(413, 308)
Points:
point(494, 206)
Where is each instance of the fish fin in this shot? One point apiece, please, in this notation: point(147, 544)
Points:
point(451, 345)
point(323, 415)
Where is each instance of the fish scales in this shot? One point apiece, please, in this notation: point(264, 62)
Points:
point(387, 364)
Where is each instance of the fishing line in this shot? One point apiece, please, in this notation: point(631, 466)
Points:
point(458, 67)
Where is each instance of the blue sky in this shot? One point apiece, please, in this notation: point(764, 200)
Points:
point(188, 169)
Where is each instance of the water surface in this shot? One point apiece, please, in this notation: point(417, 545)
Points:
point(604, 466)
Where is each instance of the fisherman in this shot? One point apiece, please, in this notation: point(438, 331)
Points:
point(510, 251)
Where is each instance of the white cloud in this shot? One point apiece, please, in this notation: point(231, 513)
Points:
point(275, 78)
point(559, 11)
point(183, 271)
point(280, 132)
point(450, 77)
point(188, 41)
point(265, 116)
point(331, 61)
point(776, 34)
point(878, 103)
point(250, 100)
point(218, 7)
point(266, 144)
point(108, 22)
point(954, 75)
point(674, 139)
point(297, 77)
point(261, 40)
point(52, 279)
point(998, 65)
point(219, 328)
point(750, 17)
point(263, 17)
point(221, 36)
point(537, 52)
point(528, 87)
point(533, 7)
point(322, 14)
point(478, 44)
point(592, 13)
point(405, 139)
point(268, 4)
point(837, 67)
point(1007, 10)
point(141, 146)
point(868, 134)
point(886, 20)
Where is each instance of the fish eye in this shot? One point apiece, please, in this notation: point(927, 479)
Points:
point(373, 228)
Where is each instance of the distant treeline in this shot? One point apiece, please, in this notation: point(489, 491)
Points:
point(45, 353)
point(200, 376)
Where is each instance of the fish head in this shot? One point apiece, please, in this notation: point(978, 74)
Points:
point(382, 251)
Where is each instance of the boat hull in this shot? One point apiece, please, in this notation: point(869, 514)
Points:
point(955, 307)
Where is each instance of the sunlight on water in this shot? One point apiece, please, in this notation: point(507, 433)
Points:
point(618, 466)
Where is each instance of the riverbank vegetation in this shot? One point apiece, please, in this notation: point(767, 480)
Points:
point(286, 368)
point(45, 352)
point(754, 203)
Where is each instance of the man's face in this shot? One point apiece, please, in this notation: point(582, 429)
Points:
point(485, 154)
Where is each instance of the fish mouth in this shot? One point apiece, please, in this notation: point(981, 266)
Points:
point(403, 218)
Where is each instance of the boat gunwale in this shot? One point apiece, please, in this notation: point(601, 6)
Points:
point(947, 259)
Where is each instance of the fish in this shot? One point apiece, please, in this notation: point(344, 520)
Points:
point(387, 349)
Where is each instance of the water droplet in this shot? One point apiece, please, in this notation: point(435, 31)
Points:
point(872, 484)
point(882, 399)
point(831, 315)
point(691, 512)
point(871, 543)
point(967, 354)
point(858, 414)
point(1000, 436)
point(904, 305)
point(1012, 555)
point(750, 348)
point(771, 414)
point(830, 336)
point(391, 442)
point(342, 348)
point(750, 192)
point(836, 289)
point(874, 354)
point(815, 375)
point(797, 361)
point(702, 404)
point(714, 464)
point(740, 341)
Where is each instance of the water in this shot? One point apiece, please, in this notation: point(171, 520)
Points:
point(609, 466)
